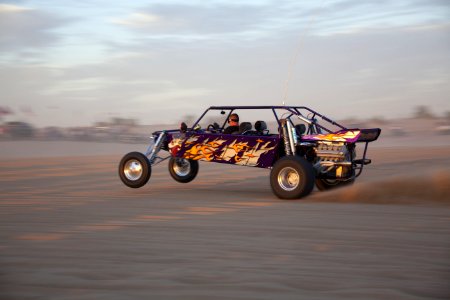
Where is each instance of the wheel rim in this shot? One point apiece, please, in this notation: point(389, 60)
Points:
point(133, 170)
point(288, 179)
point(181, 167)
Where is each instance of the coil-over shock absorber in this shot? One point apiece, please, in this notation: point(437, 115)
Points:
point(289, 136)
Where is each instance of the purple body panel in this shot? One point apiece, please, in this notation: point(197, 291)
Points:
point(245, 150)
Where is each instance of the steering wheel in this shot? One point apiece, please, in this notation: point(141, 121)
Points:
point(213, 127)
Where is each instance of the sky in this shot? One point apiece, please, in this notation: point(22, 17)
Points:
point(76, 62)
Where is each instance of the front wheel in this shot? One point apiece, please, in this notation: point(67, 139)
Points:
point(135, 170)
point(183, 170)
point(292, 177)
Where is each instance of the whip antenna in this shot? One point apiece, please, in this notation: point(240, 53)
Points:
point(294, 58)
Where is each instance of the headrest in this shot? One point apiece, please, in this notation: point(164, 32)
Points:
point(260, 126)
point(245, 126)
point(301, 128)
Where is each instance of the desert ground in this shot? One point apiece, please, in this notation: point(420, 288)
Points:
point(69, 229)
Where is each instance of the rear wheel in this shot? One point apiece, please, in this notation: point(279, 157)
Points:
point(135, 170)
point(292, 177)
point(327, 184)
point(183, 170)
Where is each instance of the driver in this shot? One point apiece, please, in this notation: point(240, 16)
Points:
point(233, 124)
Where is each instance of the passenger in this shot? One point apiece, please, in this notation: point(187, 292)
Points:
point(233, 124)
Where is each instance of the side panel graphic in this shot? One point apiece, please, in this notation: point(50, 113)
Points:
point(254, 151)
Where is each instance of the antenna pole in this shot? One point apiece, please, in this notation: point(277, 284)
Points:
point(294, 58)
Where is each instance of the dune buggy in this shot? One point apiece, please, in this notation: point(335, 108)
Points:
point(298, 149)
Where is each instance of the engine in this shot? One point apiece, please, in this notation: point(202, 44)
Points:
point(333, 159)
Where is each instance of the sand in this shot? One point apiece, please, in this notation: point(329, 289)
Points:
point(69, 229)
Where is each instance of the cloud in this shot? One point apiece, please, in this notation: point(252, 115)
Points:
point(236, 22)
point(197, 19)
point(10, 8)
point(23, 28)
point(139, 20)
point(351, 16)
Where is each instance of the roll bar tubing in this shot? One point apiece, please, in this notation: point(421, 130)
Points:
point(294, 110)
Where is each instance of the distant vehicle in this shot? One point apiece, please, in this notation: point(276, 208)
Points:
point(101, 134)
point(52, 133)
point(300, 152)
point(397, 131)
point(2, 132)
point(443, 129)
point(17, 129)
point(79, 134)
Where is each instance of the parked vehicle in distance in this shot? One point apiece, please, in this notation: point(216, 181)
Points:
point(443, 129)
point(299, 150)
point(18, 130)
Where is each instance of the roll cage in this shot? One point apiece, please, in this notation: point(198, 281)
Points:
point(303, 113)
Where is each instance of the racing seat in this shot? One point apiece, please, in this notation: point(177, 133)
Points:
point(244, 127)
point(300, 128)
point(261, 128)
